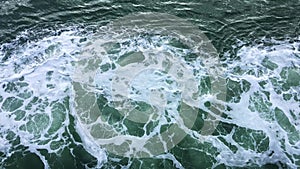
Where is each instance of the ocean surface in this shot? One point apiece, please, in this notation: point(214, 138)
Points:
point(149, 84)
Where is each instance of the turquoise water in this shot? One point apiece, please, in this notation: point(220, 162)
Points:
point(149, 84)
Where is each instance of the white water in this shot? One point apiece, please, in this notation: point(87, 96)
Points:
point(57, 53)
point(282, 129)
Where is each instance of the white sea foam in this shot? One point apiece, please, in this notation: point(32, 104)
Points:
point(280, 126)
point(46, 66)
point(40, 71)
point(140, 67)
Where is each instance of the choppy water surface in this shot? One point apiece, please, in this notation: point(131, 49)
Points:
point(154, 84)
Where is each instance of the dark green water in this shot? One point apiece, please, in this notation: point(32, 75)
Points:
point(42, 42)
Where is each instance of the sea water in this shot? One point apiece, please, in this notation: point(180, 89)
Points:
point(107, 84)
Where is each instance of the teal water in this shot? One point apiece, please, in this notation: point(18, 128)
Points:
point(149, 84)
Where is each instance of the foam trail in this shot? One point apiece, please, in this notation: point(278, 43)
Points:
point(268, 102)
point(34, 95)
point(147, 75)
